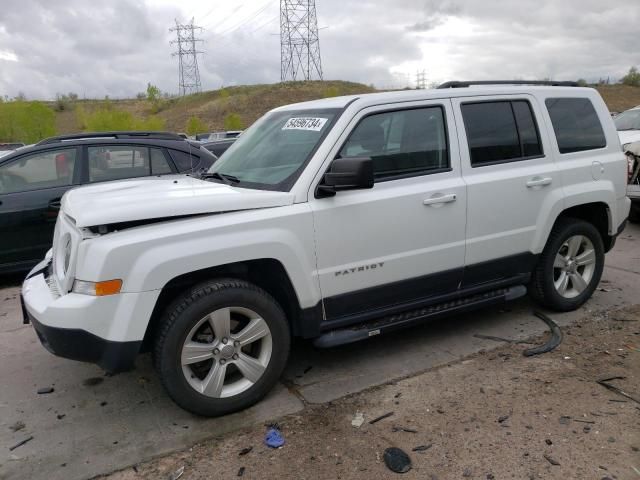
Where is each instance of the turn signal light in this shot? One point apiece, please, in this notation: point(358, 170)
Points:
point(97, 289)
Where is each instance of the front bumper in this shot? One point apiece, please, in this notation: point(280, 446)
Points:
point(107, 331)
point(76, 344)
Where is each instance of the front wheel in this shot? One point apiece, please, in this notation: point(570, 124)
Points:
point(222, 347)
point(570, 266)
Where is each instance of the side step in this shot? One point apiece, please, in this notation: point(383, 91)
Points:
point(406, 319)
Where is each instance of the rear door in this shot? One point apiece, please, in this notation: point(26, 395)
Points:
point(31, 187)
point(510, 175)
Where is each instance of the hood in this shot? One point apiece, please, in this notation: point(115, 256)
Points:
point(162, 197)
point(628, 136)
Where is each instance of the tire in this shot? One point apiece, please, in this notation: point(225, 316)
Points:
point(548, 281)
point(191, 354)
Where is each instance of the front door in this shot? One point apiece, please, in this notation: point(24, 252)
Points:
point(403, 240)
point(31, 187)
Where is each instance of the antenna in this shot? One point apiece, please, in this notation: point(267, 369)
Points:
point(189, 75)
point(299, 41)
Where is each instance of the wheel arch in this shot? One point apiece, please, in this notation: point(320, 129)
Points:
point(596, 213)
point(266, 273)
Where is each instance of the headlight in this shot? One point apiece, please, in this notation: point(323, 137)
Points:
point(97, 289)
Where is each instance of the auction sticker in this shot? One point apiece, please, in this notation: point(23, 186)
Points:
point(314, 124)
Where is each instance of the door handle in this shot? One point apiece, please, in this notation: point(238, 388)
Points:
point(539, 182)
point(439, 198)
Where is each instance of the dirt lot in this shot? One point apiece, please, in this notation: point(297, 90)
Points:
point(495, 415)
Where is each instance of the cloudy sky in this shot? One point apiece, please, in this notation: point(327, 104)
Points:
point(97, 48)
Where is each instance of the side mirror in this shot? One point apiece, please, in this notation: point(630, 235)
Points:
point(346, 174)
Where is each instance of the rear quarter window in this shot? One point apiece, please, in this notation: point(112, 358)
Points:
point(576, 124)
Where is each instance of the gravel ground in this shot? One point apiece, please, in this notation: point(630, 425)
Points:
point(496, 415)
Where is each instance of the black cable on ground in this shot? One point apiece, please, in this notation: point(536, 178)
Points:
point(554, 341)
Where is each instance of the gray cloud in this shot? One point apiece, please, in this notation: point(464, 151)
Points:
point(115, 48)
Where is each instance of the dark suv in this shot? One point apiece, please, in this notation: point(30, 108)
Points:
point(33, 180)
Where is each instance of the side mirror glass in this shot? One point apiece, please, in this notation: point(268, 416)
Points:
point(346, 174)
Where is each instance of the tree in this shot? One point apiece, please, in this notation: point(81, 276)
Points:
point(581, 82)
point(233, 122)
point(195, 126)
point(153, 93)
point(632, 77)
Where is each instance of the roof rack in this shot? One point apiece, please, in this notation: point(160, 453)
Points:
point(549, 83)
point(116, 135)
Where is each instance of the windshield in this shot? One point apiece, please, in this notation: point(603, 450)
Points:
point(273, 152)
point(629, 120)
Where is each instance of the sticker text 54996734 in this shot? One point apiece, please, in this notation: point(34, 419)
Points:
point(314, 124)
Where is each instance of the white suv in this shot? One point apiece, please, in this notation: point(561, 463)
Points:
point(336, 219)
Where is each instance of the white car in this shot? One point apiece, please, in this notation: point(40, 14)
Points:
point(338, 219)
point(628, 126)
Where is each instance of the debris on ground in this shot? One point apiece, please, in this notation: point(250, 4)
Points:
point(241, 471)
point(273, 438)
point(403, 429)
point(397, 460)
point(45, 390)
point(551, 460)
point(358, 420)
point(20, 443)
point(421, 448)
point(19, 425)
point(244, 451)
point(177, 474)
point(554, 341)
point(613, 388)
point(503, 418)
point(564, 420)
point(381, 417)
point(60, 416)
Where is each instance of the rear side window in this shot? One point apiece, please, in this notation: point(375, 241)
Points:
point(500, 131)
point(576, 124)
point(401, 143)
point(185, 162)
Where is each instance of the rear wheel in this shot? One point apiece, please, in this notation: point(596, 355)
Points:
point(570, 266)
point(222, 347)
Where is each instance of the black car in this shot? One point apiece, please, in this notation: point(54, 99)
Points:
point(33, 180)
point(219, 146)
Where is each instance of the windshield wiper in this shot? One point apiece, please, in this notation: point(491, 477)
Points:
point(228, 179)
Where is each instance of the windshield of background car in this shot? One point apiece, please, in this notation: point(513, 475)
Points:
point(273, 152)
point(629, 120)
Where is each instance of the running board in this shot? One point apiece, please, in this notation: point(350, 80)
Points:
point(413, 317)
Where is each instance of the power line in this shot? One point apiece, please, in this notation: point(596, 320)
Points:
point(189, 74)
point(299, 41)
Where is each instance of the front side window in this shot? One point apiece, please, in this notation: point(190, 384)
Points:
point(401, 143)
point(576, 124)
point(114, 162)
point(500, 131)
point(272, 153)
point(53, 168)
